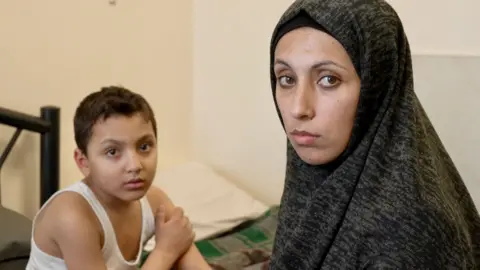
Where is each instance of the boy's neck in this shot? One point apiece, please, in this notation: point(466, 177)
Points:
point(109, 202)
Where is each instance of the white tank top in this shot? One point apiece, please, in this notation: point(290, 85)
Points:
point(112, 255)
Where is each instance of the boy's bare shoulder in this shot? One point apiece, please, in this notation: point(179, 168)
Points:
point(69, 229)
point(67, 213)
point(157, 197)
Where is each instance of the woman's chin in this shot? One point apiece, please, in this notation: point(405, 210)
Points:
point(314, 156)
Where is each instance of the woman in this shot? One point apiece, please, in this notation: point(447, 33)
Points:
point(369, 184)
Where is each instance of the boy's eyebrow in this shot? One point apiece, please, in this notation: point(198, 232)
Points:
point(113, 141)
point(146, 136)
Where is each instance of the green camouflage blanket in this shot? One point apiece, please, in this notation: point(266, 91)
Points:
point(248, 246)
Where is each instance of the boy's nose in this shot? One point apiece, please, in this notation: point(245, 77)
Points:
point(134, 164)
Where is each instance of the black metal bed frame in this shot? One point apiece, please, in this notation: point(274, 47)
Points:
point(48, 126)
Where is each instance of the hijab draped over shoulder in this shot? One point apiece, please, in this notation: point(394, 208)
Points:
point(393, 199)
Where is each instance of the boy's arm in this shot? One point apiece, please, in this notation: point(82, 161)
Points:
point(192, 259)
point(74, 228)
point(158, 260)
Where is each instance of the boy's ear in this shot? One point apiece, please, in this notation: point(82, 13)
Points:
point(82, 162)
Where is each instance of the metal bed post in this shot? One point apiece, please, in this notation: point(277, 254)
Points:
point(50, 154)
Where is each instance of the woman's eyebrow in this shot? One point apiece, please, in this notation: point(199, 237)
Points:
point(316, 65)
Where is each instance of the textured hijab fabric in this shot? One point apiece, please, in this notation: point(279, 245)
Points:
point(394, 199)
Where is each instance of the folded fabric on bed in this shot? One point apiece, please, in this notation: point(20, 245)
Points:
point(247, 247)
point(213, 202)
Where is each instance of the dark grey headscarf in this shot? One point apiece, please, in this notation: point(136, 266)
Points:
point(394, 198)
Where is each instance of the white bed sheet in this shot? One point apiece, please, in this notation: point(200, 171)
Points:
point(212, 202)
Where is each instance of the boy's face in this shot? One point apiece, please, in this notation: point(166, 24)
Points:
point(121, 157)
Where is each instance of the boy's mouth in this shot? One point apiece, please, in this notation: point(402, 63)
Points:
point(136, 183)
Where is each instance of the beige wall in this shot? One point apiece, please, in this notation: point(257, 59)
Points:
point(202, 64)
point(55, 52)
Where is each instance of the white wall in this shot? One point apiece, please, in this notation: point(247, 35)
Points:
point(235, 125)
point(441, 27)
point(55, 52)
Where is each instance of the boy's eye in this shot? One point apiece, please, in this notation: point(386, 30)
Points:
point(145, 147)
point(111, 152)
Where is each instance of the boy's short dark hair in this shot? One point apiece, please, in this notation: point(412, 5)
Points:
point(100, 105)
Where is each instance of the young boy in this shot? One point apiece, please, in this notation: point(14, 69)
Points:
point(103, 221)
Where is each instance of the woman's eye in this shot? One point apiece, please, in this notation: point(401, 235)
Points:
point(286, 81)
point(329, 81)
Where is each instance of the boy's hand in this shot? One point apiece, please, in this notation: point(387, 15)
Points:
point(175, 236)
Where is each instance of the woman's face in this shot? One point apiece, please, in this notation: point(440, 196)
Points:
point(317, 92)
